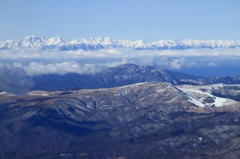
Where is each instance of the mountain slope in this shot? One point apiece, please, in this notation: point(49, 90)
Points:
point(144, 120)
point(120, 76)
point(107, 42)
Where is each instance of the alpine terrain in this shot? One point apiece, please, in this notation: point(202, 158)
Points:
point(124, 112)
point(107, 42)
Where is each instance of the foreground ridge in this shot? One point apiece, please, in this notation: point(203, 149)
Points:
point(143, 120)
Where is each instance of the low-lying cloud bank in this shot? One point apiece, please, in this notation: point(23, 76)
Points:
point(16, 65)
point(14, 80)
point(38, 62)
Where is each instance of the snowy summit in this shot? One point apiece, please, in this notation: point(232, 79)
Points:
point(107, 42)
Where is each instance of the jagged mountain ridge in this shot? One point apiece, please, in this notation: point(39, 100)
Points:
point(107, 42)
point(123, 75)
point(144, 120)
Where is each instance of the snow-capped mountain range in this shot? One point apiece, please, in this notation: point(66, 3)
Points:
point(107, 42)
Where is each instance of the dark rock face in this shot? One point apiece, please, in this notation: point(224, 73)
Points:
point(145, 120)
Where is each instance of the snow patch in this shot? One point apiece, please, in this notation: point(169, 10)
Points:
point(198, 95)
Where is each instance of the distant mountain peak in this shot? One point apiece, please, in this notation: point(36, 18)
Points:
point(108, 42)
point(55, 41)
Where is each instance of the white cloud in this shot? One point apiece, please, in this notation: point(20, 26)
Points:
point(36, 68)
point(212, 64)
point(178, 63)
point(36, 62)
point(62, 68)
point(14, 80)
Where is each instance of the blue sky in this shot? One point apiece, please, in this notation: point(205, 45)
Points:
point(149, 20)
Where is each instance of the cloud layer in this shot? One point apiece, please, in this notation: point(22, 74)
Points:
point(38, 62)
point(14, 80)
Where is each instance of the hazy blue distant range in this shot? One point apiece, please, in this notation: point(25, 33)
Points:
point(107, 42)
point(123, 75)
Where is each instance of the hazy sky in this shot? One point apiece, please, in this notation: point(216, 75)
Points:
point(149, 20)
